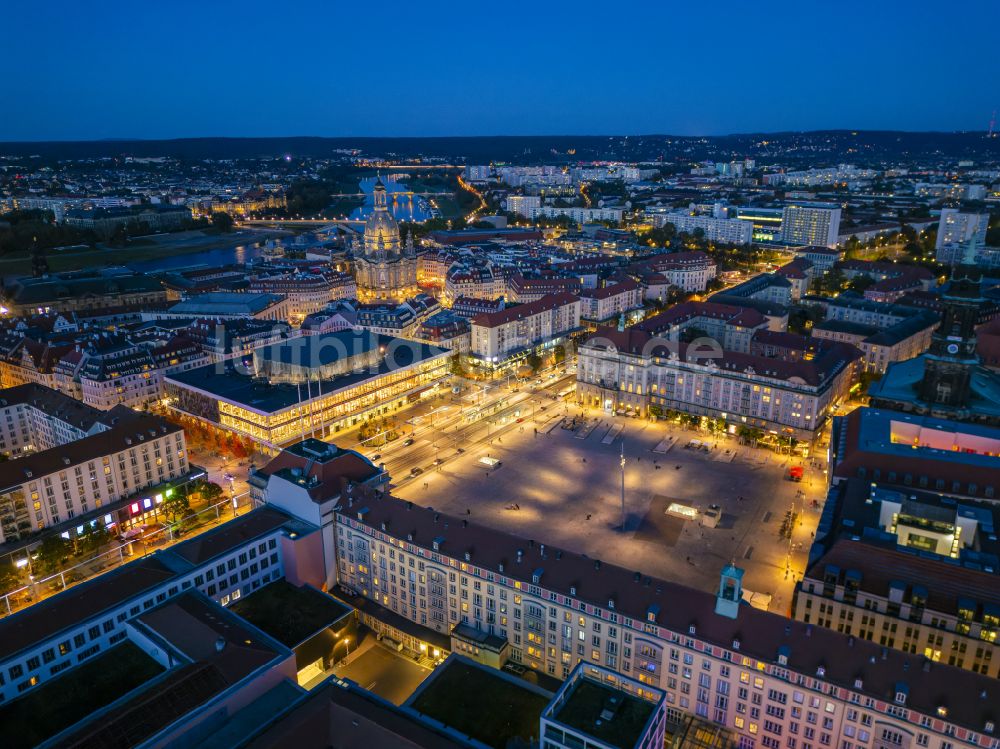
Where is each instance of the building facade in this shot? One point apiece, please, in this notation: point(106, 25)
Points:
point(806, 225)
point(384, 268)
point(767, 678)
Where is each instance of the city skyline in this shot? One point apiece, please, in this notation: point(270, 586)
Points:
point(429, 71)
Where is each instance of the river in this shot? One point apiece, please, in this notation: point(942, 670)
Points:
point(403, 210)
point(204, 259)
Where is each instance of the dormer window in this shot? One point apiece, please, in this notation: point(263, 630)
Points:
point(900, 698)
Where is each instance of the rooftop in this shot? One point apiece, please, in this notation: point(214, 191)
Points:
point(258, 395)
point(483, 703)
point(236, 533)
point(60, 703)
point(341, 713)
point(79, 603)
point(609, 715)
point(289, 614)
point(225, 303)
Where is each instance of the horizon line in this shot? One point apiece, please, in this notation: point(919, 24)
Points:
point(132, 139)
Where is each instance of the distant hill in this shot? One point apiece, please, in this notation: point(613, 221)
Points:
point(861, 147)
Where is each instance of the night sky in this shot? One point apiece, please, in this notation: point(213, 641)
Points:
point(76, 70)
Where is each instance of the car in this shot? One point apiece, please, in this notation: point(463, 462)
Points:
point(542, 408)
point(438, 461)
point(460, 450)
point(376, 456)
point(416, 471)
point(408, 441)
point(519, 420)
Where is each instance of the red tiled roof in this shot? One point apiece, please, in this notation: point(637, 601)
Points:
point(520, 311)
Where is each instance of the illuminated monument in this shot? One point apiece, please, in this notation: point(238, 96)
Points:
point(385, 269)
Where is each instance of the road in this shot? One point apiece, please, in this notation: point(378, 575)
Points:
point(451, 427)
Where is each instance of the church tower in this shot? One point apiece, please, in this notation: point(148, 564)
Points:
point(385, 270)
point(951, 358)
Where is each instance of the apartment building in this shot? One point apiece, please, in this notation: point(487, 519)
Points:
point(521, 288)
point(957, 232)
point(608, 302)
point(501, 338)
point(35, 418)
point(638, 373)
point(306, 293)
point(688, 271)
point(233, 338)
point(899, 599)
point(771, 680)
point(949, 190)
point(115, 370)
point(724, 230)
point(909, 337)
point(48, 487)
point(580, 215)
point(524, 205)
point(473, 280)
point(808, 225)
point(733, 327)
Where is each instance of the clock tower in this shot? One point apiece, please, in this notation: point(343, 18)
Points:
point(951, 358)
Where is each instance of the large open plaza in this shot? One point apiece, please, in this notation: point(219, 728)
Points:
point(562, 486)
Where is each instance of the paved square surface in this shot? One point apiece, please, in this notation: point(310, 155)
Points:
point(564, 490)
point(390, 675)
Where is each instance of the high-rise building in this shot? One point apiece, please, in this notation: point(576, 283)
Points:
point(524, 205)
point(958, 232)
point(809, 225)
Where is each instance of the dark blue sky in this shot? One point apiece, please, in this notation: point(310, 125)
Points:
point(77, 70)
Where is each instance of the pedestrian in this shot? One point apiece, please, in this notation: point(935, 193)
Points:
point(588, 516)
point(468, 511)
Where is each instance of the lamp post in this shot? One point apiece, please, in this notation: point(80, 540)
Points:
point(623, 483)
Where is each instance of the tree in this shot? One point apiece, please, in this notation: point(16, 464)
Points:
point(558, 354)
point(455, 365)
point(51, 554)
point(534, 360)
point(10, 577)
point(209, 491)
point(177, 505)
point(222, 221)
point(93, 538)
